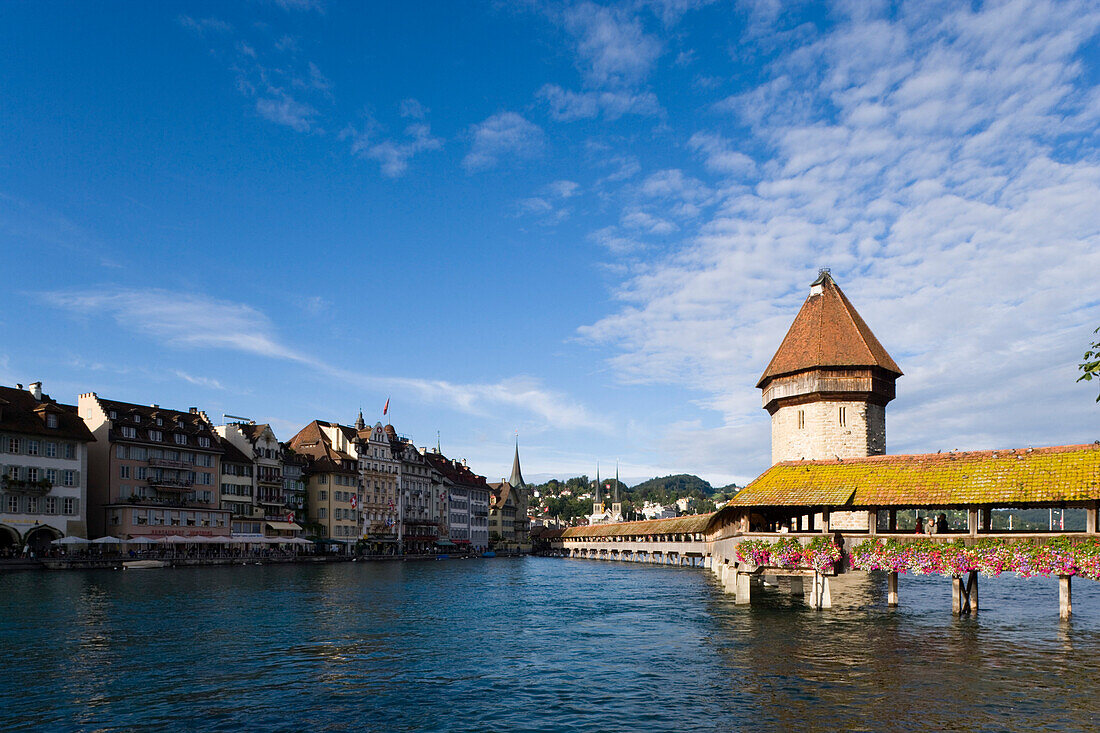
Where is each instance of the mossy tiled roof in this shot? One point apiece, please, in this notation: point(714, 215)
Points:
point(675, 525)
point(998, 478)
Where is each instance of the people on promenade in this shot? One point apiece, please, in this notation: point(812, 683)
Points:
point(941, 524)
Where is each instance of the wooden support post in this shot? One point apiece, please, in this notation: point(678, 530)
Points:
point(1065, 597)
point(825, 521)
point(972, 591)
point(987, 520)
point(744, 589)
point(892, 589)
point(819, 595)
point(956, 595)
point(872, 521)
point(1090, 518)
point(972, 521)
point(893, 523)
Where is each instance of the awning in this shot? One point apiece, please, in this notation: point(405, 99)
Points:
point(445, 543)
point(461, 542)
point(283, 525)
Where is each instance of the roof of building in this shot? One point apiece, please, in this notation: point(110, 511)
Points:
point(21, 413)
point(995, 477)
point(143, 418)
point(232, 454)
point(827, 332)
point(312, 442)
point(455, 471)
point(675, 525)
point(253, 431)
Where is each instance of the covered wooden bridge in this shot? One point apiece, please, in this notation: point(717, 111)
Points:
point(814, 519)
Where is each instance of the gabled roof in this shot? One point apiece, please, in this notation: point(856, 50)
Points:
point(994, 478)
point(827, 332)
point(232, 454)
point(312, 442)
point(21, 413)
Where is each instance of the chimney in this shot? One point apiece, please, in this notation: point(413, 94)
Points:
point(18, 386)
point(36, 390)
point(155, 406)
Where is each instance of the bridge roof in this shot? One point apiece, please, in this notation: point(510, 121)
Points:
point(675, 525)
point(998, 477)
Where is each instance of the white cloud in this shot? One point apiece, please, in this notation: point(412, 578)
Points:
point(943, 163)
point(503, 135)
point(193, 321)
point(283, 109)
point(568, 106)
point(719, 156)
point(204, 25)
point(613, 48)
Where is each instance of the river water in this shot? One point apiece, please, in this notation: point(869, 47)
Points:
point(533, 644)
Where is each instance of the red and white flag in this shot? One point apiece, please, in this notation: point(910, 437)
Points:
point(354, 501)
point(290, 516)
point(387, 407)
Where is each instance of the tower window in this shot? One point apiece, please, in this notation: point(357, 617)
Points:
point(801, 419)
point(843, 417)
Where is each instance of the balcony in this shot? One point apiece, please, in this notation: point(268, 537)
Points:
point(22, 486)
point(165, 463)
point(170, 503)
point(170, 484)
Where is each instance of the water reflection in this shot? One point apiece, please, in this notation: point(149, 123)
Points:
point(531, 645)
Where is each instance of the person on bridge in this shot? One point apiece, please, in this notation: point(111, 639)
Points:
point(941, 524)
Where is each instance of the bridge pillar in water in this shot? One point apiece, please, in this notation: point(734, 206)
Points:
point(743, 589)
point(1065, 596)
point(707, 561)
point(964, 598)
point(798, 588)
point(819, 595)
point(892, 589)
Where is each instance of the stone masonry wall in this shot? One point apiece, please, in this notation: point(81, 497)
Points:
point(823, 437)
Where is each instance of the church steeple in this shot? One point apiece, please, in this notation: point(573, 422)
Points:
point(597, 504)
point(360, 423)
point(616, 504)
point(516, 479)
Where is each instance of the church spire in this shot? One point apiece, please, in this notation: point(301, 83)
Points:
point(360, 423)
point(616, 481)
point(516, 479)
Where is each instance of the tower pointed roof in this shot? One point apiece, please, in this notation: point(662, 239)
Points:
point(827, 332)
point(516, 479)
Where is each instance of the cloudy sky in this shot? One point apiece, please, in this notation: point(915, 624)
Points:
point(591, 223)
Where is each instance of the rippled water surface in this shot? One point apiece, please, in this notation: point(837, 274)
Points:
point(532, 644)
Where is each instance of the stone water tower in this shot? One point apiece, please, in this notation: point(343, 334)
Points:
point(827, 386)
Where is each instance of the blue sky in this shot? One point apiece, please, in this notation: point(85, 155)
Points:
point(591, 223)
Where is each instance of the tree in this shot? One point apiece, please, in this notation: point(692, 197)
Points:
point(1091, 366)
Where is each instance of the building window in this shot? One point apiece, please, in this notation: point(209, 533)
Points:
point(70, 450)
point(51, 505)
point(137, 419)
point(155, 435)
point(801, 419)
point(129, 432)
point(51, 450)
point(160, 421)
point(114, 415)
point(69, 478)
point(13, 504)
point(32, 447)
point(322, 496)
point(322, 513)
point(13, 445)
point(843, 417)
point(124, 472)
point(181, 439)
point(32, 505)
point(51, 475)
point(69, 505)
point(32, 474)
point(51, 420)
point(204, 442)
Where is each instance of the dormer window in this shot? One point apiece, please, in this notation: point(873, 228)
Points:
point(156, 435)
point(51, 420)
point(114, 415)
point(181, 439)
point(179, 424)
point(129, 432)
point(203, 442)
point(160, 421)
point(137, 419)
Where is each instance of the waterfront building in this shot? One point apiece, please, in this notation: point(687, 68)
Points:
point(334, 491)
point(43, 469)
point(464, 486)
point(508, 509)
point(379, 470)
point(423, 499)
point(152, 471)
point(269, 512)
point(236, 490)
point(294, 484)
point(654, 510)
